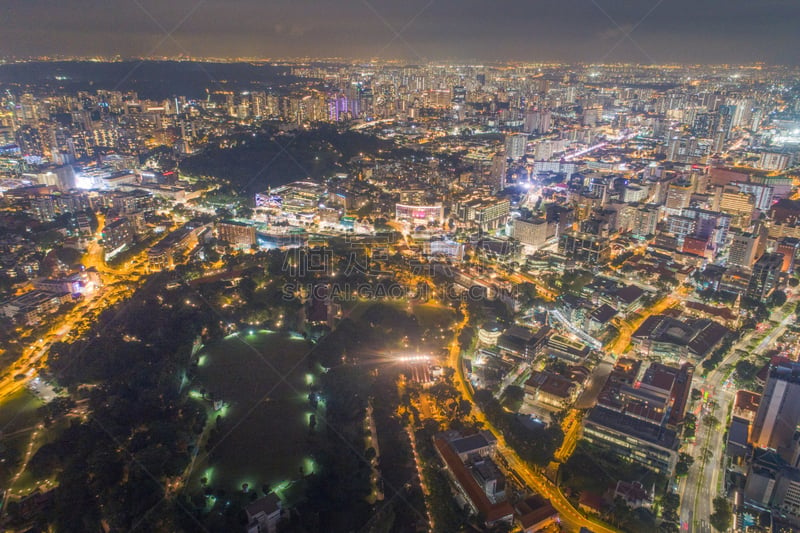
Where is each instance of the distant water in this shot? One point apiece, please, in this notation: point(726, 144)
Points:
point(150, 79)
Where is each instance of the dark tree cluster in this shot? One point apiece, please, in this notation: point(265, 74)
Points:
point(141, 429)
point(336, 497)
point(252, 163)
point(534, 445)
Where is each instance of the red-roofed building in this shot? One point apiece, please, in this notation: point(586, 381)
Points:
point(660, 397)
point(467, 485)
point(746, 404)
point(696, 246)
point(535, 513)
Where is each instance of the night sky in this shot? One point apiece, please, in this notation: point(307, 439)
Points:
point(592, 31)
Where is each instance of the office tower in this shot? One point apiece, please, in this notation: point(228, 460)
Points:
point(533, 231)
point(779, 411)
point(585, 247)
point(459, 102)
point(725, 120)
point(762, 194)
point(516, 145)
point(499, 169)
point(645, 219)
point(740, 205)
point(766, 274)
point(786, 496)
point(744, 249)
point(459, 94)
point(679, 193)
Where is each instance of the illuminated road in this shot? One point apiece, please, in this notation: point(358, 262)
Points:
point(571, 518)
point(541, 290)
point(705, 476)
point(18, 374)
point(591, 149)
point(571, 426)
point(627, 328)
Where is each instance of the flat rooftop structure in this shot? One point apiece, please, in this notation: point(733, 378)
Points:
point(171, 240)
point(471, 443)
point(551, 384)
point(699, 336)
point(639, 429)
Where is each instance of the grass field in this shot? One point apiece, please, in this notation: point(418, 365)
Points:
point(264, 379)
point(18, 418)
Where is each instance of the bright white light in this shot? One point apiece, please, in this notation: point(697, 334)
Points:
point(83, 182)
point(413, 358)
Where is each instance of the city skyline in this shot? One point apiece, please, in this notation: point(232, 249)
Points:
point(430, 267)
point(438, 30)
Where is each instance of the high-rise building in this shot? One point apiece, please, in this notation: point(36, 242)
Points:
point(645, 220)
point(485, 214)
point(580, 246)
point(786, 496)
point(43, 208)
point(459, 102)
point(744, 249)
point(779, 410)
point(679, 193)
point(533, 231)
point(516, 145)
point(774, 161)
point(766, 275)
point(538, 121)
point(724, 120)
point(116, 235)
point(591, 116)
point(762, 194)
point(499, 169)
point(703, 124)
point(740, 205)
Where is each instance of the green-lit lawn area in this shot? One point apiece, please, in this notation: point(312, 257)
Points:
point(264, 432)
point(18, 412)
point(18, 418)
point(429, 315)
point(432, 315)
point(355, 309)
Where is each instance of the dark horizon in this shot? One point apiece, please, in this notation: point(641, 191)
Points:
point(592, 32)
point(332, 60)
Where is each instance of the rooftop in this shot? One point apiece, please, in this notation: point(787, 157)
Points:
point(533, 510)
point(472, 443)
point(492, 512)
point(639, 429)
point(550, 383)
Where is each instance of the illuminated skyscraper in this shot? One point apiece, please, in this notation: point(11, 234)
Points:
point(779, 411)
